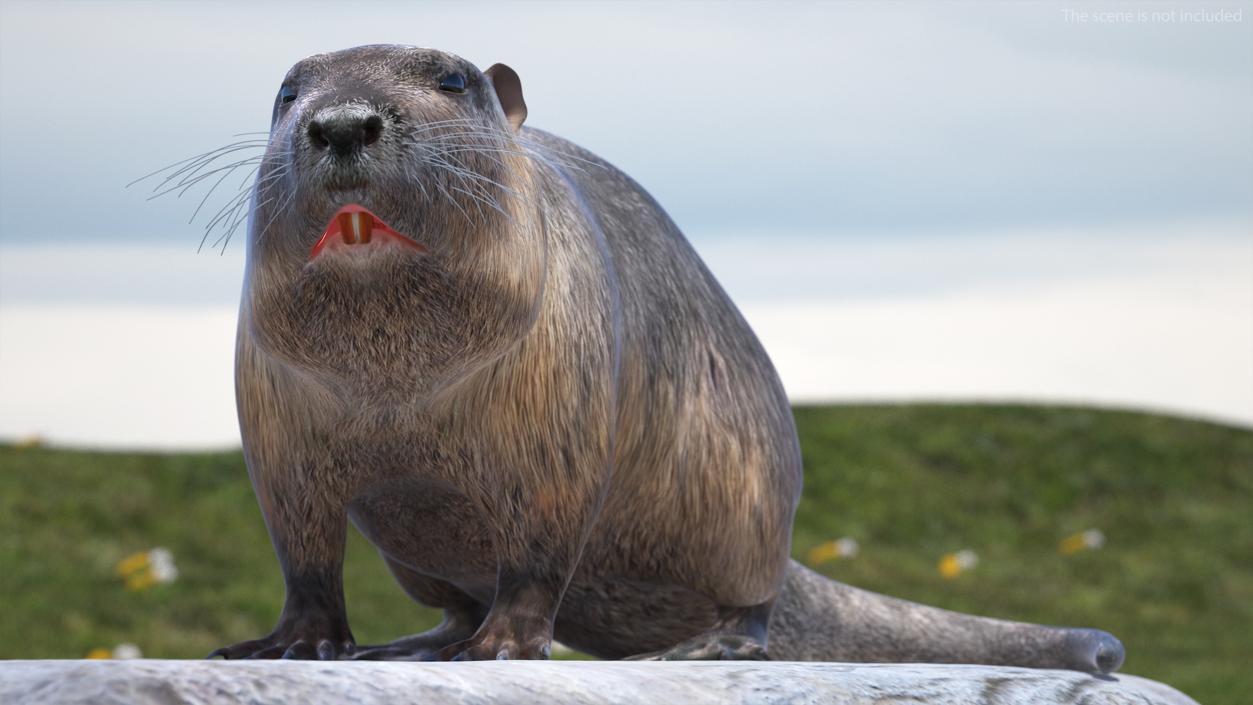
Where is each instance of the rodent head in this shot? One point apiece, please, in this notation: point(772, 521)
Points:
point(426, 147)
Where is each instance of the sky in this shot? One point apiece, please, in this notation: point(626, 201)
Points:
point(949, 201)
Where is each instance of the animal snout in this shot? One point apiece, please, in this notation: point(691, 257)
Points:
point(345, 130)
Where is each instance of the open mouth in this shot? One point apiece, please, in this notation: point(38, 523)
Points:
point(356, 227)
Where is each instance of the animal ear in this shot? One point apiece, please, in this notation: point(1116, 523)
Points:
point(509, 92)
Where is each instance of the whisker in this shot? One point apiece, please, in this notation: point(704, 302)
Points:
point(481, 196)
point(425, 126)
point(453, 201)
point(243, 215)
point(195, 167)
point(226, 210)
point(208, 158)
point(210, 154)
point(291, 196)
point(464, 167)
point(230, 207)
point(214, 188)
point(260, 183)
point(450, 168)
point(230, 169)
point(529, 150)
point(192, 179)
point(238, 212)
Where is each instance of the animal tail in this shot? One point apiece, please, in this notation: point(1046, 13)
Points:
point(818, 619)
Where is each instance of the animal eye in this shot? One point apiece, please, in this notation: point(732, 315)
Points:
point(453, 83)
point(287, 94)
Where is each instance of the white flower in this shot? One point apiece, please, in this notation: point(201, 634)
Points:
point(1093, 538)
point(966, 559)
point(127, 651)
point(847, 547)
point(161, 563)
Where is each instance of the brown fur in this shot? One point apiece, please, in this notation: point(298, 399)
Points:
point(553, 420)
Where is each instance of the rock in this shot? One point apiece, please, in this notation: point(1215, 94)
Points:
point(150, 682)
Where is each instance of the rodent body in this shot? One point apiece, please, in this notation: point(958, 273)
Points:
point(545, 413)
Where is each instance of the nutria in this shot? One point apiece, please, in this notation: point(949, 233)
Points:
point(496, 355)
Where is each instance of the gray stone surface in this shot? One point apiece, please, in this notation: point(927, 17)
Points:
point(144, 682)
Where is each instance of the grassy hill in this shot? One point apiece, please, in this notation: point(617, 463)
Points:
point(910, 483)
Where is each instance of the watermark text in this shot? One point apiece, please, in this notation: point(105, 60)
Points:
point(1164, 16)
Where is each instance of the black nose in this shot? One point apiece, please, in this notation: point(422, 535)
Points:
point(345, 129)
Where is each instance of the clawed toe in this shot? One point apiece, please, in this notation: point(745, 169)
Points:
point(278, 647)
point(488, 649)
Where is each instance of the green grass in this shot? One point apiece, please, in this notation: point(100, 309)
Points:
point(1174, 498)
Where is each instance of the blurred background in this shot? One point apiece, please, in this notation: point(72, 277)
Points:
point(965, 232)
point(966, 201)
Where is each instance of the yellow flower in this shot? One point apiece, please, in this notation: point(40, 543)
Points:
point(132, 564)
point(120, 651)
point(140, 581)
point(143, 570)
point(831, 550)
point(1082, 541)
point(954, 564)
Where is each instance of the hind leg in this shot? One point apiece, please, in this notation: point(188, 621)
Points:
point(462, 617)
point(740, 635)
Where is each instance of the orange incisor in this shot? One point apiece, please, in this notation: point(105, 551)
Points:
point(355, 228)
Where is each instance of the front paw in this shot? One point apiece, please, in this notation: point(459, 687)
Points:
point(293, 643)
